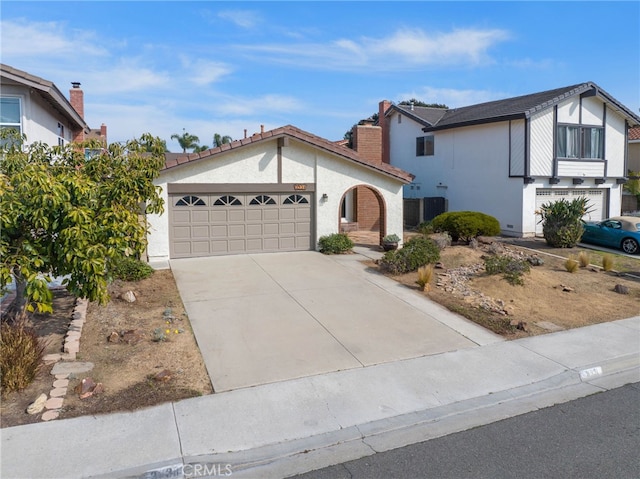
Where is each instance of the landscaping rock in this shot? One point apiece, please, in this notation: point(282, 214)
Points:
point(521, 325)
point(621, 289)
point(128, 296)
point(114, 337)
point(163, 376)
point(132, 336)
point(74, 367)
point(37, 406)
point(88, 388)
point(52, 414)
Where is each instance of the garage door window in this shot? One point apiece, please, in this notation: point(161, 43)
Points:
point(227, 201)
point(295, 200)
point(262, 200)
point(190, 201)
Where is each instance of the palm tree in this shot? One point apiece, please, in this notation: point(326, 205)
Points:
point(198, 149)
point(219, 140)
point(186, 140)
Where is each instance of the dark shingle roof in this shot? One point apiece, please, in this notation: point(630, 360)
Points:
point(523, 107)
point(173, 160)
point(424, 115)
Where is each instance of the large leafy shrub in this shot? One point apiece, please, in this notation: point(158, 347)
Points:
point(466, 225)
point(336, 243)
point(562, 221)
point(415, 253)
point(21, 353)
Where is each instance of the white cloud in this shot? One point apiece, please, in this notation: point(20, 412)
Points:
point(453, 98)
point(23, 39)
point(404, 48)
point(204, 72)
point(250, 106)
point(242, 18)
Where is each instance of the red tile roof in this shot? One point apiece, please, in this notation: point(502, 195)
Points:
point(173, 161)
point(634, 133)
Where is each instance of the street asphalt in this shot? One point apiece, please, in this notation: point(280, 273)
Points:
point(278, 424)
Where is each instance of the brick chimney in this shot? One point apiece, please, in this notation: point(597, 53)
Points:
point(76, 96)
point(367, 141)
point(383, 122)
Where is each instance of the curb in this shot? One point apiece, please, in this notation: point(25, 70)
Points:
point(306, 454)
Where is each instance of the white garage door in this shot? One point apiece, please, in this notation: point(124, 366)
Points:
point(227, 223)
point(597, 201)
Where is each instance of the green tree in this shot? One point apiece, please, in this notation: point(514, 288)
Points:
point(187, 141)
point(219, 140)
point(421, 103)
point(65, 213)
point(198, 149)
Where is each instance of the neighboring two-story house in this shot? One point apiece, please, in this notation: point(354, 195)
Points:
point(36, 108)
point(506, 158)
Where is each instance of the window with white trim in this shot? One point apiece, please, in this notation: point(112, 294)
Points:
point(11, 113)
point(580, 142)
point(425, 146)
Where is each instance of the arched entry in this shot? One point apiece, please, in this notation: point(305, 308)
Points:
point(362, 208)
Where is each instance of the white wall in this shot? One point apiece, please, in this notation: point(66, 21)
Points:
point(301, 163)
point(476, 163)
point(39, 119)
point(402, 153)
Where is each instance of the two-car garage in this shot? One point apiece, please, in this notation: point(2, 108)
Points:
point(204, 224)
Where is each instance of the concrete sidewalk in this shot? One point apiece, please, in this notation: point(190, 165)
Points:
point(292, 426)
point(281, 429)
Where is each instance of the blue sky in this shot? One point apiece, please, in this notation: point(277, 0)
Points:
point(223, 67)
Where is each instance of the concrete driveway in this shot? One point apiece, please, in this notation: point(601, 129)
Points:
point(271, 317)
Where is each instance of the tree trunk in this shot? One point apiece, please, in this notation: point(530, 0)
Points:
point(18, 308)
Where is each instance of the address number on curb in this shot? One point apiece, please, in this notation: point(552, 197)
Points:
point(590, 373)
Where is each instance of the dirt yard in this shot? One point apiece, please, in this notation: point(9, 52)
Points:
point(550, 299)
point(126, 367)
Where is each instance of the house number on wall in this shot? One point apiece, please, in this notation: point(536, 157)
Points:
point(299, 187)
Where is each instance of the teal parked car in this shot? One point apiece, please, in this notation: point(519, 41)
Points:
point(620, 232)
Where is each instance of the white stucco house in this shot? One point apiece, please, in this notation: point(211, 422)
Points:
point(38, 109)
point(278, 190)
point(508, 157)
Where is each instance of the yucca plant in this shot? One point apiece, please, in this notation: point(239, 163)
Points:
point(571, 264)
point(425, 275)
point(584, 259)
point(562, 221)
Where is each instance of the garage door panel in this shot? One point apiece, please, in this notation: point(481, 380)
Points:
point(271, 244)
point(287, 228)
point(236, 215)
point(219, 231)
point(181, 216)
point(198, 232)
point(254, 230)
point(200, 216)
point(237, 230)
point(271, 214)
point(271, 229)
point(181, 232)
point(219, 216)
point(287, 213)
point(303, 228)
point(239, 223)
point(200, 248)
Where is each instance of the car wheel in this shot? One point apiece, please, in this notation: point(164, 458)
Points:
point(630, 246)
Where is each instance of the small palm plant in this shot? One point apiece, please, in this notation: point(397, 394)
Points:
point(562, 221)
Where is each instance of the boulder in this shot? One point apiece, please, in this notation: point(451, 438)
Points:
point(128, 296)
point(37, 406)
